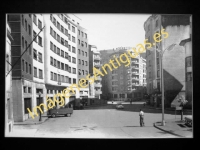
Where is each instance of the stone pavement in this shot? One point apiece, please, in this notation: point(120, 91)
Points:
point(34, 121)
point(176, 127)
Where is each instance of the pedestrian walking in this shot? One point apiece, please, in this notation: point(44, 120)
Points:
point(141, 114)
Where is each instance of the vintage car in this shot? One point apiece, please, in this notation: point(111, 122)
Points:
point(63, 110)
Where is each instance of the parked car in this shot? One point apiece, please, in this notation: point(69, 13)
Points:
point(119, 106)
point(60, 111)
point(80, 106)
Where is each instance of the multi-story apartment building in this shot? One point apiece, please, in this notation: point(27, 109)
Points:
point(187, 43)
point(124, 82)
point(60, 56)
point(8, 86)
point(22, 74)
point(94, 61)
point(177, 27)
point(82, 57)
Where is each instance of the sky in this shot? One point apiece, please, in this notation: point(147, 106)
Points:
point(108, 31)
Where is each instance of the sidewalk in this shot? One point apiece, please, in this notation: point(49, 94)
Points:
point(176, 127)
point(34, 121)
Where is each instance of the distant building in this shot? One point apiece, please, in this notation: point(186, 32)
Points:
point(177, 27)
point(123, 82)
point(9, 120)
point(94, 61)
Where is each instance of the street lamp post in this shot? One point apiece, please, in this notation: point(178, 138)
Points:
point(168, 48)
point(40, 119)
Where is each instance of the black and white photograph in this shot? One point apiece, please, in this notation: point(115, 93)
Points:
point(98, 75)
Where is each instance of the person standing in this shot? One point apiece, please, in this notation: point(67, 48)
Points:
point(141, 114)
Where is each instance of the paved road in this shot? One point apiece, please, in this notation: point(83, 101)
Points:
point(98, 122)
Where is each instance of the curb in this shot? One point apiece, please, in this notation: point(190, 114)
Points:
point(167, 131)
point(32, 123)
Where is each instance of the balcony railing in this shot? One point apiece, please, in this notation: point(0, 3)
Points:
point(135, 78)
point(97, 58)
point(97, 85)
point(98, 92)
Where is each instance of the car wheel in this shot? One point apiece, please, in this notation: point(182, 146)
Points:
point(69, 115)
point(53, 115)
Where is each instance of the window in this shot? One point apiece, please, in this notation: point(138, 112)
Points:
point(39, 24)
point(66, 32)
point(58, 64)
point(58, 78)
point(58, 38)
point(78, 32)
point(25, 25)
point(66, 79)
point(69, 48)
point(82, 34)
point(29, 89)
point(66, 55)
point(73, 39)
point(79, 72)
point(86, 63)
point(85, 44)
point(69, 69)
point(74, 50)
point(22, 20)
point(51, 75)
point(74, 81)
point(74, 70)
point(73, 60)
point(73, 29)
point(62, 53)
point(51, 46)
point(62, 78)
point(40, 57)
point(55, 77)
point(58, 51)
point(148, 27)
point(51, 61)
point(62, 29)
point(22, 65)
point(55, 49)
point(51, 31)
point(62, 41)
point(34, 36)
point(68, 26)
point(25, 91)
point(39, 40)
point(79, 52)
point(34, 54)
point(66, 67)
point(62, 66)
point(40, 74)
point(30, 68)
point(86, 72)
point(82, 43)
point(149, 63)
point(85, 54)
point(79, 61)
point(35, 19)
point(189, 76)
point(70, 81)
point(22, 41)
point(54, 21)
point(85, 35)
point(55, 62)
point(51, 17)
point(82, 72)
point(35, 72)
point(82, 62)
point(66, 43)
point(69, 37)
point(69, 58)
point(58, 25)
point(149, 74)
point(29, 29)
point(188, 61)
point(79, 42)
point(158, 73)
point(25, 44)
point(54, 34)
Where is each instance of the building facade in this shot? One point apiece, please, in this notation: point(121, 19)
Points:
point(95, 90)
point(124, 83)
point(9, 120)
point(177, 27)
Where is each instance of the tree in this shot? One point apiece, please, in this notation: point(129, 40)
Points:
point(183, 102)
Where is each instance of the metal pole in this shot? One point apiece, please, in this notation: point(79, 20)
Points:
point(163, 121)
point(40, 119)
